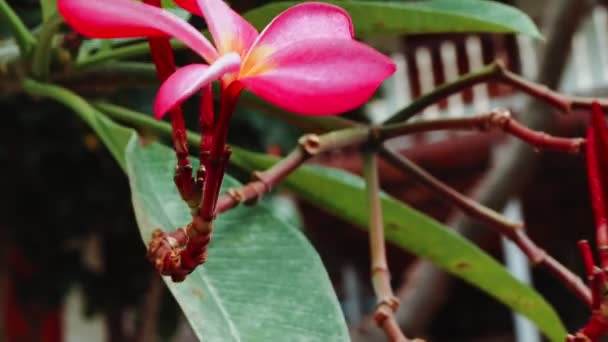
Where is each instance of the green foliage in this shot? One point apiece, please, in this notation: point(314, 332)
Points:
point(263, 282)
point(417, 233)
point(434, 16)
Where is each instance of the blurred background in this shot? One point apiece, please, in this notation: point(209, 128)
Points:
point(73, 267)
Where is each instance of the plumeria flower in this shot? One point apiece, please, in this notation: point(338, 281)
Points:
point(305, 61)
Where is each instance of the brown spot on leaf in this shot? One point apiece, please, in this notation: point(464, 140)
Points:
point(392, 226)
point(463, 265)
point(198, 293)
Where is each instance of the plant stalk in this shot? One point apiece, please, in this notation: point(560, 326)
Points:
point(23, 36)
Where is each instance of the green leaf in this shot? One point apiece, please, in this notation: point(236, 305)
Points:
point(49, 7)
point(343, 195)
point(435, 16)
point(262, 282)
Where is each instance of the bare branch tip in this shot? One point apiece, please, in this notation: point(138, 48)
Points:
point(310, 143)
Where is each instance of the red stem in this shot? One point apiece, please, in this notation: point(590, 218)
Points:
point(162, 54)
point(219, 153)
point(597, 198)
point(587, 256)
point(207, 116)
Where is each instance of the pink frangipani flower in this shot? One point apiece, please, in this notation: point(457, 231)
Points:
point(305, 61)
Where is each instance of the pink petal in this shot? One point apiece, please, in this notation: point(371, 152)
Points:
point(190, 6)
point(126, 18)
point(305, 21)
point(191, 78)
point(231, 33)
point(320, 76)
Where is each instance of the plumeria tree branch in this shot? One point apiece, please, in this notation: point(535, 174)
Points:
point(495, 72)
point(387, 302)
point(511, 230)
point(496, 119)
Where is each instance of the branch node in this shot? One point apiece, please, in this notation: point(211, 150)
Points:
point(259, 176)
point(310, 143)
point(235, 194)
point(500, 66)
point(385, 308)
point(199, 226)
point(499, 117)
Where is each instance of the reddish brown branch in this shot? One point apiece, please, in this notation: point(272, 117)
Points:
point(178, 253)
point(560, 101)
point(388, 303)
point(496, 119)
point(513, 231)
point(496, 72)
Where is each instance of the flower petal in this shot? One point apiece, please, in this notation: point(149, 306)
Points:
point(190, 6)
point(126, 18)
point(320, 76)
point(231, 33)
point(301, 22)
point(191, 78)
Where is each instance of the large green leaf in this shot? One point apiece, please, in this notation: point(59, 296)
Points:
point(262, 281)
point(343, 194)
point(434, 16)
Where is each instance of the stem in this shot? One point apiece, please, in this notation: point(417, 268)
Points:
point(207, 117)
point(218, 154)
point(495, 72)
point(484, 74)
point(162, 54)
point(513, 231)
point(595, 172)
point(24, 38)
point(387, 302)
point(498, 118)
point(265, 181)
point(41, 61)
point(133, 50)
point(135, 119)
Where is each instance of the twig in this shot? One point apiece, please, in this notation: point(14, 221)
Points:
point(495, 72)
point(387, 303)
point(498, 118)
point(514, 231)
